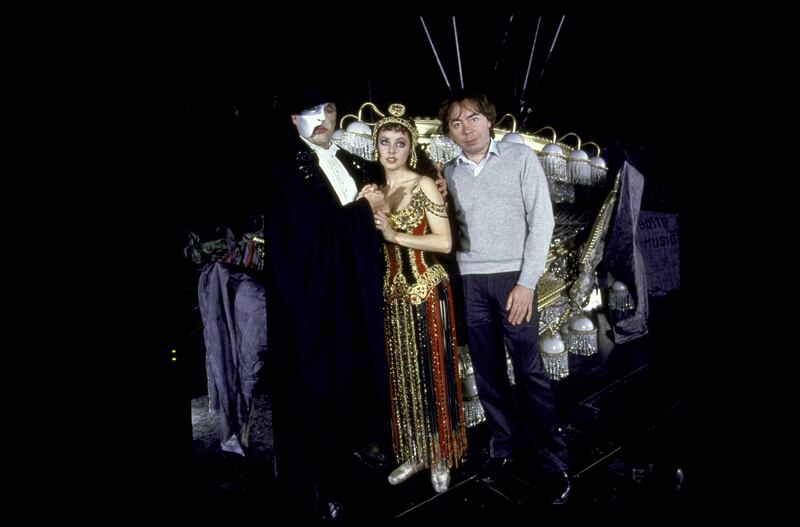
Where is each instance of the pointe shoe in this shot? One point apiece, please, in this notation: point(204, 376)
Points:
point(403, 472)
point(440, 477)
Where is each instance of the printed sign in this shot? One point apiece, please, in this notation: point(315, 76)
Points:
point(658, 240)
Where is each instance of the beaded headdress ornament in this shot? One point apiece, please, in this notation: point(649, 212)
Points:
point(396, 112)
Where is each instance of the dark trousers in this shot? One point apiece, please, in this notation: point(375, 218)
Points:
point(488, 330)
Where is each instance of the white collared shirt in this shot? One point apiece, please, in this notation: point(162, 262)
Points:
point(474, 167)
point(334, 170)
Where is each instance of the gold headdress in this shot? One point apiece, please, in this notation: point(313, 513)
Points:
point(396, 112)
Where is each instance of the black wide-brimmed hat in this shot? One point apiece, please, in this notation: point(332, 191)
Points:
point(304, 96)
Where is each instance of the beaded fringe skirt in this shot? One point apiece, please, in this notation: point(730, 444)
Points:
point(428, 423)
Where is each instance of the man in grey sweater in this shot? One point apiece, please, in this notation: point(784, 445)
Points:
point(505, 223)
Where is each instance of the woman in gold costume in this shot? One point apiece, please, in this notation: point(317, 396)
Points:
point(428, 428)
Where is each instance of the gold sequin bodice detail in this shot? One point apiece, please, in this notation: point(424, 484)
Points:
point(410, 274)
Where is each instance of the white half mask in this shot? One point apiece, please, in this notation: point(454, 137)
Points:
point(310, 118)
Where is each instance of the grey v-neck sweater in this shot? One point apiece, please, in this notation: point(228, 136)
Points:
point(504, 215)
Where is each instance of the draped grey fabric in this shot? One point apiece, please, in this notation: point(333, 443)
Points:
point(234, 312)
point(623, 256)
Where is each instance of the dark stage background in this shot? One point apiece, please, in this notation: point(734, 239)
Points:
point(614, 80)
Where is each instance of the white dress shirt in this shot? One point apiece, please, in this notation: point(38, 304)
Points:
point(474, 167)
point(334, 170)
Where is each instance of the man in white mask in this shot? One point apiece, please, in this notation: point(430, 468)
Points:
point(315, 126)
point(326, 360)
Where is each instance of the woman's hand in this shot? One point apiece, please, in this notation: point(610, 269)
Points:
point(383, 225)
point(372, 187)
point(373, 196)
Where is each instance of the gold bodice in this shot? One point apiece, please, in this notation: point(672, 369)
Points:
point(409, 273)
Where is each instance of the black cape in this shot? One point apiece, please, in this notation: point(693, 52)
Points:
point(325, 317)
